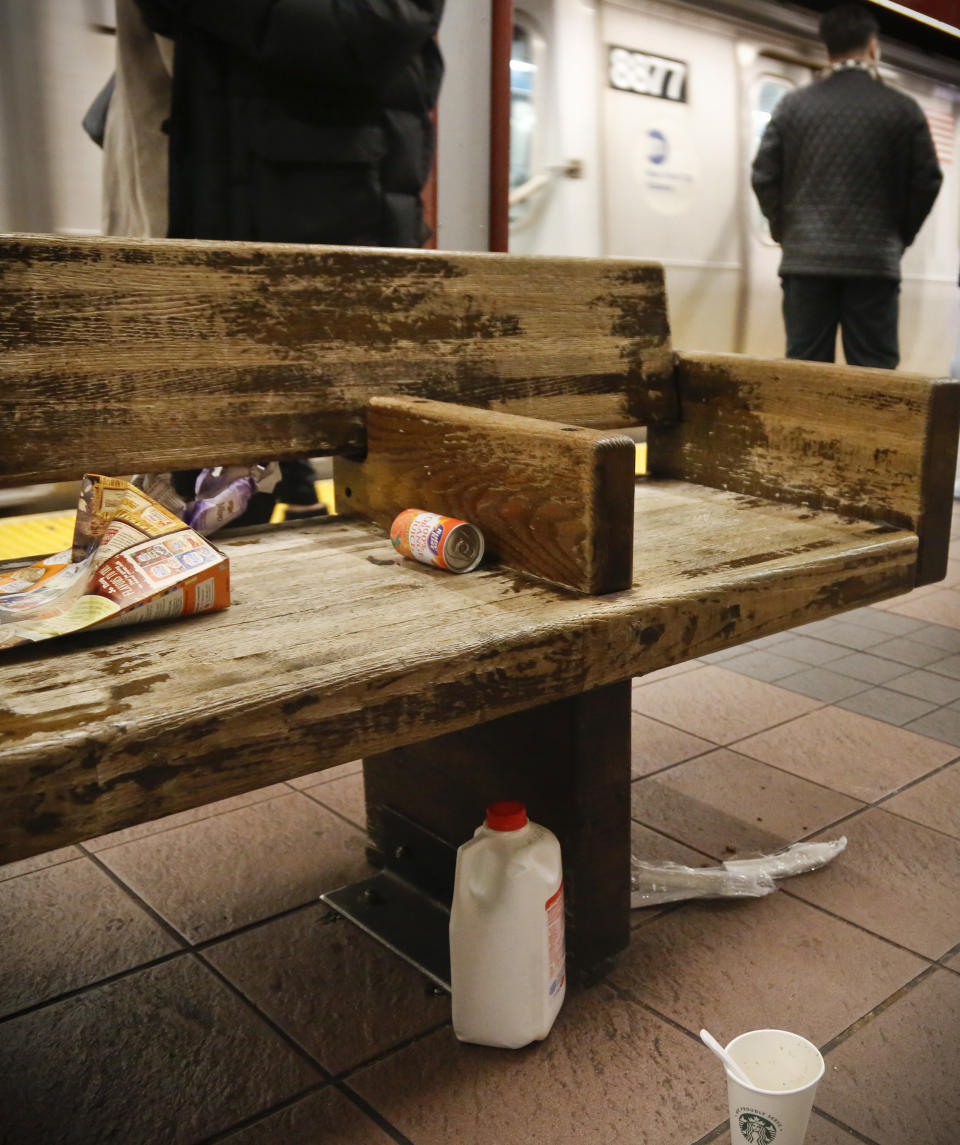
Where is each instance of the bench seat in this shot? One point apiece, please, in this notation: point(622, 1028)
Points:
point(335, 649)
point(486, 387)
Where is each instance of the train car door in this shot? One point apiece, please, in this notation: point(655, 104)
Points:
point(670, 186)
point(766, 75)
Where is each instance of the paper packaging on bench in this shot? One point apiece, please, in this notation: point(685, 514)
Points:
point(132, 560)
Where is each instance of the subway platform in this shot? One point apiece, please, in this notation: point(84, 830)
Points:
point(179, 983)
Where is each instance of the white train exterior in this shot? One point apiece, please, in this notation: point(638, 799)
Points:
point(635, 122)
point(647, 116)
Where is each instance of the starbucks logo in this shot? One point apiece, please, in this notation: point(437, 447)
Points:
point(756, 1129)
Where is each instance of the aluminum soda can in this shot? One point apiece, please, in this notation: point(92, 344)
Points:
point(445, 542)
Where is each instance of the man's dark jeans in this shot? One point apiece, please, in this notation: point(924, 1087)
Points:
point(866, 310)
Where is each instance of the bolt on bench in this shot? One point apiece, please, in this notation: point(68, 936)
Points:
point(489, 387)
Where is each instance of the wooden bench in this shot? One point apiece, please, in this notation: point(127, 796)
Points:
point(778, 493)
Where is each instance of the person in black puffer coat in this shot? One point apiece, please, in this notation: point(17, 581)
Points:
point(845, 174)
point(271, 121)
point(300, 120)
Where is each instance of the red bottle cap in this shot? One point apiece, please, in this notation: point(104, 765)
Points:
point(508, 815)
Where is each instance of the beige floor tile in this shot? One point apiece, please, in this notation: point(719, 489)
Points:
point(67, 926)
point(345, 796)
point(666, 673)
point(861, 757)
point(747, 964)
point(324, 1118)
point(895, 1078)
point(337, 992)
point(820, 1131)
point(941, 607)
point(953, 963)
point(168, 1054)
point(726, 804)
point(609, 1072)
point(935, 802)
point(331, 773)
point(213, 876)
point(719, 705)
point(811, 650)
point(654, 745)
point(896, 878)
point(38, 862)
point(653, 847)
point(182, 818)
point(952, 579)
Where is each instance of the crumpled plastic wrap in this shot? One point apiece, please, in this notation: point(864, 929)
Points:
point(654, 883)
point(222, 493)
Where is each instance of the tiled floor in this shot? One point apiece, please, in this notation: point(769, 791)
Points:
point(179, 983)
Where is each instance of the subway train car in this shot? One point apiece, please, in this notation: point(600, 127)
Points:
point(633, 127)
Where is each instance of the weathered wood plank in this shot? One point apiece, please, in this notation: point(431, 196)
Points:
point(876, 444)
point(335, 649)
point(124, 355)
point(552, 500)
point(569, 762)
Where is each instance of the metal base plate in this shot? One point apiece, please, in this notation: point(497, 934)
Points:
point(404, 919)
point(406, 906)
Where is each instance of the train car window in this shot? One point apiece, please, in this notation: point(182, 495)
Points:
point(767, 93)
point(523, 112)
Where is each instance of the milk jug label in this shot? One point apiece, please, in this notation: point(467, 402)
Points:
point(555, 941)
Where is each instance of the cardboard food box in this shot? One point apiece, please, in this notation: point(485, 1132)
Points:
point(132, 561)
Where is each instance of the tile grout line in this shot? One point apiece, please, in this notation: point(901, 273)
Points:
point(624, 993)
point(865, 1019)
point(869, 650)
point(855, 1133)
point(158, 918)
point(896, 814)
point(66, 995)
point(913, 783)
point(713, 1135)
point(253, 1118)
point(932, 962)
point(345, 1075)
point(339, 814)
point(328, 1074)
point(203, 944)
point(833, 790)
point(179, 826)
point(673, 839)
point(289, 1039)
point(348, 1095)
point(373, 1113)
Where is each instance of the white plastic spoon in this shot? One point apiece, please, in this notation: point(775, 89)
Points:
point(712, 1044)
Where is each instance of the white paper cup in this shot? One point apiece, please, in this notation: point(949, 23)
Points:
point(785, 1070)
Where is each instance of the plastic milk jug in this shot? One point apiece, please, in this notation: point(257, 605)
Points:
point(507, 975)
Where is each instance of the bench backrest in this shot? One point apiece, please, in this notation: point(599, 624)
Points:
point(122, 355)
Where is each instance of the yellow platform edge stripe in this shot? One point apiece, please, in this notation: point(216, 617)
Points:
point(325, 494)
point(39, 534)
point(36, 534)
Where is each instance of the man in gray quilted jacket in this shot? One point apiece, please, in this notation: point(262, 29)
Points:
point(845, 174)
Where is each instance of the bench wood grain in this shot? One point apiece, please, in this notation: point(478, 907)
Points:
point(552, 500)
point(127, 356)
point(780, 493)
point(336, 648)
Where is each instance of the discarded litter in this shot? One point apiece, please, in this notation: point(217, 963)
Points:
point(132, 560)
point(221, 493)
point(446, 542)
point(655, 883)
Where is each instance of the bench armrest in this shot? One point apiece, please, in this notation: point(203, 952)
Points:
point(867, 443)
